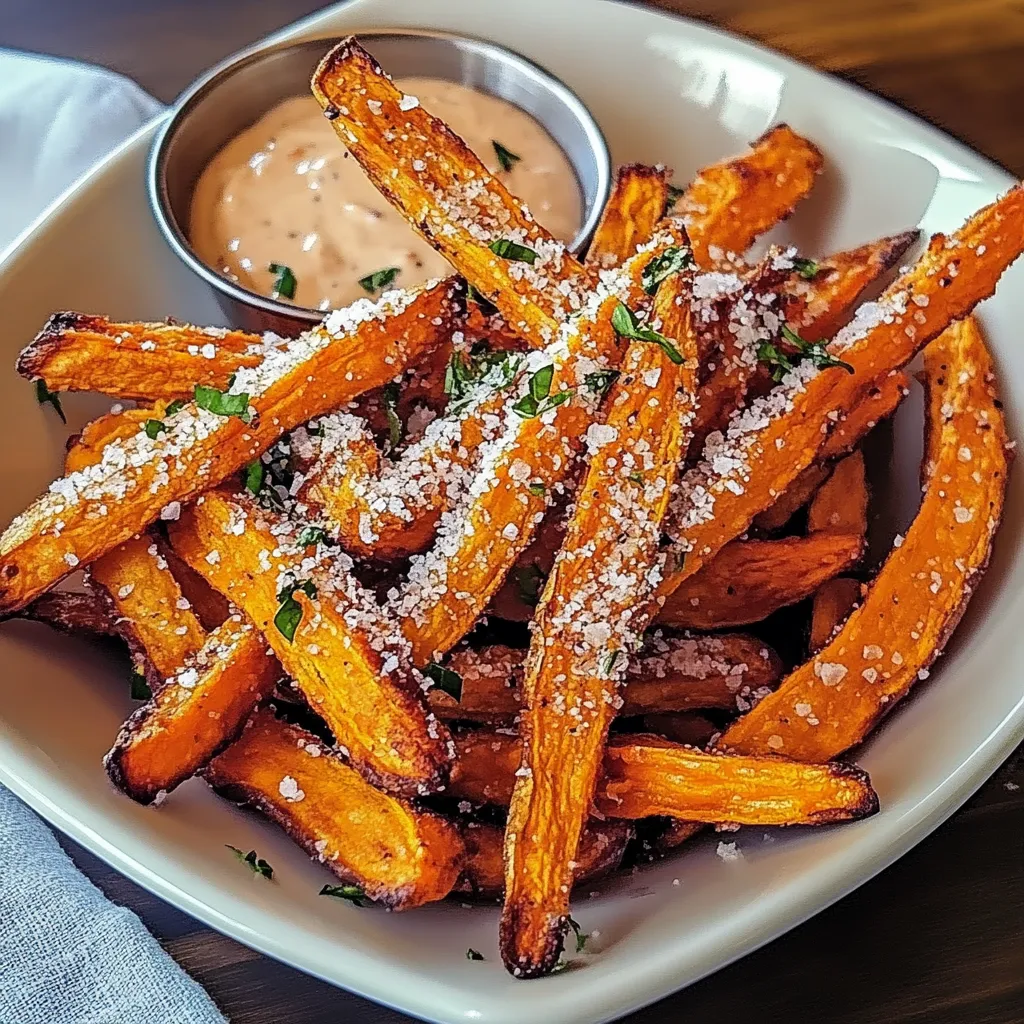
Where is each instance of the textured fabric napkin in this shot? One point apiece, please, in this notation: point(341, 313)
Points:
point(67, 954)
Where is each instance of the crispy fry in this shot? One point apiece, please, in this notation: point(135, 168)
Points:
point(647, 776)
point(447, 194)
point(86, 448)
point(354, 350)
point(841, 504)
point(777, 437)
point(729, 204)
point(748, 580)
point(152, 614)
point(833, 602)
point(630, 216)
point(669, 674)
point(73, 612)
point(920, 593)
point(144, 361)
point(344, 654)
point(402, 857)
point(592, 614)
point(200, 710)
point(602, 846)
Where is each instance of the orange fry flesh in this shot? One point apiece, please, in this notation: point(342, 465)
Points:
point(200, 710)
point(748, 580)
point(833, 602)
point(588, 619)
point(630, 217)
point(401, 856)
point(144, 361)
point(84, 515)
point(841, 504)
point(831, 703)
point(341, 654)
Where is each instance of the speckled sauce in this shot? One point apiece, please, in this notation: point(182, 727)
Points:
point(286, 191)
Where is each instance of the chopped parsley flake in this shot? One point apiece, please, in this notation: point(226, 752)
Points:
point(807, 269)
point(508, 160)
point(311, 535)
point(465, 372)
point(609, 662)
point(626, 325)
point(257, 864)
point(354, 894)
point(445, 679)
point(379, 279)
point(538, 490)
point(223, 404)
point(289, 613)
point(510, 250)
point(154, 428)
point(254, 475)
point(600, 381)
point(782, 362)
point(672, 261)
point(539, 398)
point(44, 395)
point(673, 194)
point(581, 936)
point(176, 406)
point(284, 282)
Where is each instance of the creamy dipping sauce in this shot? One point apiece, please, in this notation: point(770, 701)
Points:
point(286, 191)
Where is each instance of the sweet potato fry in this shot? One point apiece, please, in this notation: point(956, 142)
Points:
point(630, 216)
point(85, 514)
point(734, 202)
point(831, 702)
point(645, 775)
point(833, 602)
point(748, 580)
point(592, 615)
point(446, 193)
point(152, 614)
point(777, 437)
point(669, 674)
point(86, 448)
point(73, 612)
point(400, 855)
point(339, 646)
point(199, 711)
point(841, 504)
point(602, 847)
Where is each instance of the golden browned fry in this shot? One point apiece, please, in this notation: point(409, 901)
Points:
point(86, 448)
point(85, 514)
point(144, 361)
point(777, 437)
point(833, 602)
point(73, 612)
point(878, 404)
point(729, 204)
point(400, 855)
point(591, 619)
point(841, 504)
point(429, 174)
point(749, 579)
point(645, 776)
point(152, 614)
point(670, 674)
point(833, 701)
point(630, 216)
point(199, 711)
point(343, 652)
point(602, 846)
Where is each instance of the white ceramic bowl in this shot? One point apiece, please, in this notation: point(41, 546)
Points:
point(662, 89)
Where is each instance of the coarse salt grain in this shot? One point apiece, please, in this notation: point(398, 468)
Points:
point(289, 789)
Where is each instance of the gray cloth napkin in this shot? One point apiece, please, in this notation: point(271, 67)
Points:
point(67, 954)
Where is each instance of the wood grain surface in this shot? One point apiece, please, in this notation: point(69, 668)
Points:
point(939, 937)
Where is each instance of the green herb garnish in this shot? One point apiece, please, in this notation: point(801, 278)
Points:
point(311, 535)
point(530, 581)
point(636, 476)
point(672, 196)
point(154, 428)
point(44, 395)
point(609, 662)
point(223, 404)
point(600, 381)
point(626, 325)
point(673, 260)
point(176, 406)
point(139, 687)
point(815, 351)
point(284, 282)
point(807, 269)
point(581, 936)
point(257, 864)
point(506, 157)
point(771, 355)
point(289, 613)
point(353, 894)
point(445, 679)
point(538, 490)
point(471, 953)
point(538, 398)
point(510, 250)
point(473, 295)
point(464, 373)
point(379, 279)
point(254, 474)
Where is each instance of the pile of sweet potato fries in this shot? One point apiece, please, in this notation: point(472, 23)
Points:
point(303, 541)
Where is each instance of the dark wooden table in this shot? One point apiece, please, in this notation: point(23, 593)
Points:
point(939, 937)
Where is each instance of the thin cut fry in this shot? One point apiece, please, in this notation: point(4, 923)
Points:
point(200, 710)
point(777, 437)
point(400, 855)
point(748, 580)
point(833, 602)
point(85, 514)
point(841, 504)
point(831, 703)
point(592, 615)
point(344, 654)
point(631, 215)
point(748, 195)
point(144, 361)
point(670, 674)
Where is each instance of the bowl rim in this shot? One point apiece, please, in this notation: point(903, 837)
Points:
point(203, 86)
